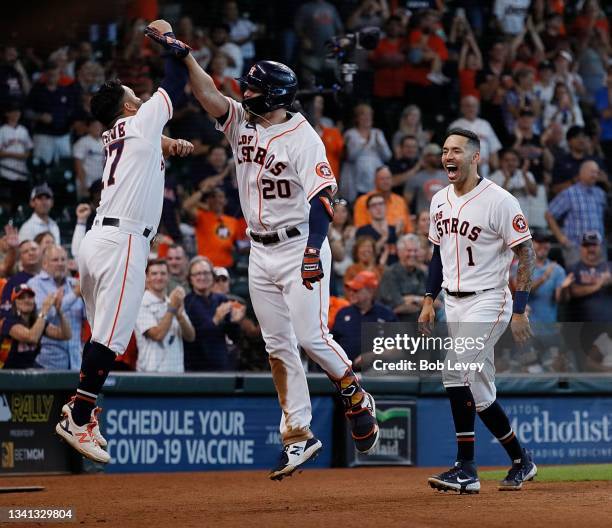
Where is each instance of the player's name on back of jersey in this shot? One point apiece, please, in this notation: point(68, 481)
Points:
point(426, 366)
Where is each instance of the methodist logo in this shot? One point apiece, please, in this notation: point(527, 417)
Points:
point(541, 428)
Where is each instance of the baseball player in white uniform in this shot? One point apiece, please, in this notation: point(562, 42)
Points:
point(286, 186)
point(476, 228)
point(113, 255)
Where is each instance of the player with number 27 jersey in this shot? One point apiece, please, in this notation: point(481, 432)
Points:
point(134, 144)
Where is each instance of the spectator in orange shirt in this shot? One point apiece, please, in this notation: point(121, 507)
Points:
point(389, 61)
point(216, 232)
point(397, 210)
point(226, 84)
point(330, 135)
point(427, 53)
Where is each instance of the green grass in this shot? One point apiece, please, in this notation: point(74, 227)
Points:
point(561, 473)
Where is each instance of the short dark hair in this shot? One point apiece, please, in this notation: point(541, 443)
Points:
point(156, 262)
point(106, 102)
point(473, 141)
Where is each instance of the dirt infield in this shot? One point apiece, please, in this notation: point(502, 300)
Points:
point(364, 497)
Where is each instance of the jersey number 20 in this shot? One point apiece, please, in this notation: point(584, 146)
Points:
point(117, 149)
point(275, 188)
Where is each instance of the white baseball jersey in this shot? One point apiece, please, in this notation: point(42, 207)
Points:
point(475, 233)
point(279, 169)
point(15, 140)
point(134, 168)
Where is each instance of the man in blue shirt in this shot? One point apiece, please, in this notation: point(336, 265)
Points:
point(54, 354)
point(550, 287)
point(361, 292)
point(581, 208)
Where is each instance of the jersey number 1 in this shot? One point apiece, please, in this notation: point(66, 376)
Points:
point(470, 256)
point(117, 148)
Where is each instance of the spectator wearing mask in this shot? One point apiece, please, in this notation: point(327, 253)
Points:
point(403, 285)
point(51, 108)
point(23, 327)
point(366, 150)
point(384, 235)
point(489, 142)
point(178, 265)
point(397, 211)
point(162, 323)
point(15, 149)
point(29, 264)
point(214, 318)
point(430, 178)
point(54, 354)
point(580, 208)
point(361, 293)
point(88, 153)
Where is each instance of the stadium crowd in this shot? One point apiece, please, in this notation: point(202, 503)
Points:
point(532, 79)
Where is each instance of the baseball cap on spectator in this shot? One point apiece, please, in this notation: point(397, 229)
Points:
point(432, 148)
point(221, 273)
point(41, 190)
point(364, 279)
point(20, 290)
point(574, 131)
point(591, 238)
point(566, 55)
point(541, 235)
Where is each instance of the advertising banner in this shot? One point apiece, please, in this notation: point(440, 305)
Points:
point(28, 443)
point(397, 441)
point(202, 433)
point(558, 430)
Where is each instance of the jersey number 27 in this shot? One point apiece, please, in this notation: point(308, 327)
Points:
point(114, 150)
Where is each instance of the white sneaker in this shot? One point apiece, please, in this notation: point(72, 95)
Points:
point(94, 417)
point(81, 438)
point(295, 455)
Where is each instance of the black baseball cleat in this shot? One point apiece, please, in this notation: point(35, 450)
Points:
point(520, 472)
point(462, 477)
point(364, 426)
point(294, 456)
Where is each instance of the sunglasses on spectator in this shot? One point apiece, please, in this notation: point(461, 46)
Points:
point(341, 201)
point(221, 278)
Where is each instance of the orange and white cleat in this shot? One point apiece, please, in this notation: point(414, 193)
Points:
point(95, 413)
point(81, 437)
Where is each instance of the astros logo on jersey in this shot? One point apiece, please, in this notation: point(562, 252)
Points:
point(324, 170)
point(520, 224)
